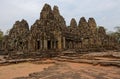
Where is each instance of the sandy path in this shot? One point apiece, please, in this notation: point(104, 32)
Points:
point(22, 69)
point(67, 70)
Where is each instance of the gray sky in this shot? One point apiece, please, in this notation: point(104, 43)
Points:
point(105, 12)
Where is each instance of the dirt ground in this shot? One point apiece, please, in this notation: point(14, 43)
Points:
point(59, 70)
point(21, 69)
point(104, 65)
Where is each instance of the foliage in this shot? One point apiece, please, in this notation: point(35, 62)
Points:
point(117, 33)
point(1, 35)
point(7, 32)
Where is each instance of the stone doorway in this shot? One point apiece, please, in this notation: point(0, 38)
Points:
point(56, 45)
point(49, 44)
point(38, 45)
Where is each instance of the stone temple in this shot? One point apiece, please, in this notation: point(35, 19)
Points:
point(50, 32)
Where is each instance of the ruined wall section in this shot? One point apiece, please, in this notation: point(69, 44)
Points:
point(18, 36)
point(46, 29)
point(84, 32)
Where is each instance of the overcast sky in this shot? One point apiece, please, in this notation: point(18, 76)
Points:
point(105, 12)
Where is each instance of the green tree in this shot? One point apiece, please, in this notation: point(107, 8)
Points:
point(111, 33)
point(117, 33)
point(1, 35)
point(117, 28)
point(7, 32)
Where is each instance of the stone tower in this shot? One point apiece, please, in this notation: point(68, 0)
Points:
point(50, 32)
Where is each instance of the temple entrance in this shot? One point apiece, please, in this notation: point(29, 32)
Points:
point(38, 45)
point(49, 44)
point(52, 44)
point(57, 44)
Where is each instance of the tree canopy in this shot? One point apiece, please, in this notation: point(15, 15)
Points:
point(117, 33)
point(1, 35)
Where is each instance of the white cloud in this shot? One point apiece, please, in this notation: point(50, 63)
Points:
point(12, 10)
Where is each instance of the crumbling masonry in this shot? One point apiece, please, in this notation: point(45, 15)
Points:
point(50, 32)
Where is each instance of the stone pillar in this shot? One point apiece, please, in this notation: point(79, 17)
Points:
point(59, 43)
point(64, 42)
point(51, 44)
point(45, 44)
point(41, 44)
point(54, 44)
point(29, 45)
point(33, 45)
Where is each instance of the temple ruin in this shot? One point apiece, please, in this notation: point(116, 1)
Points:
point(50, 32)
